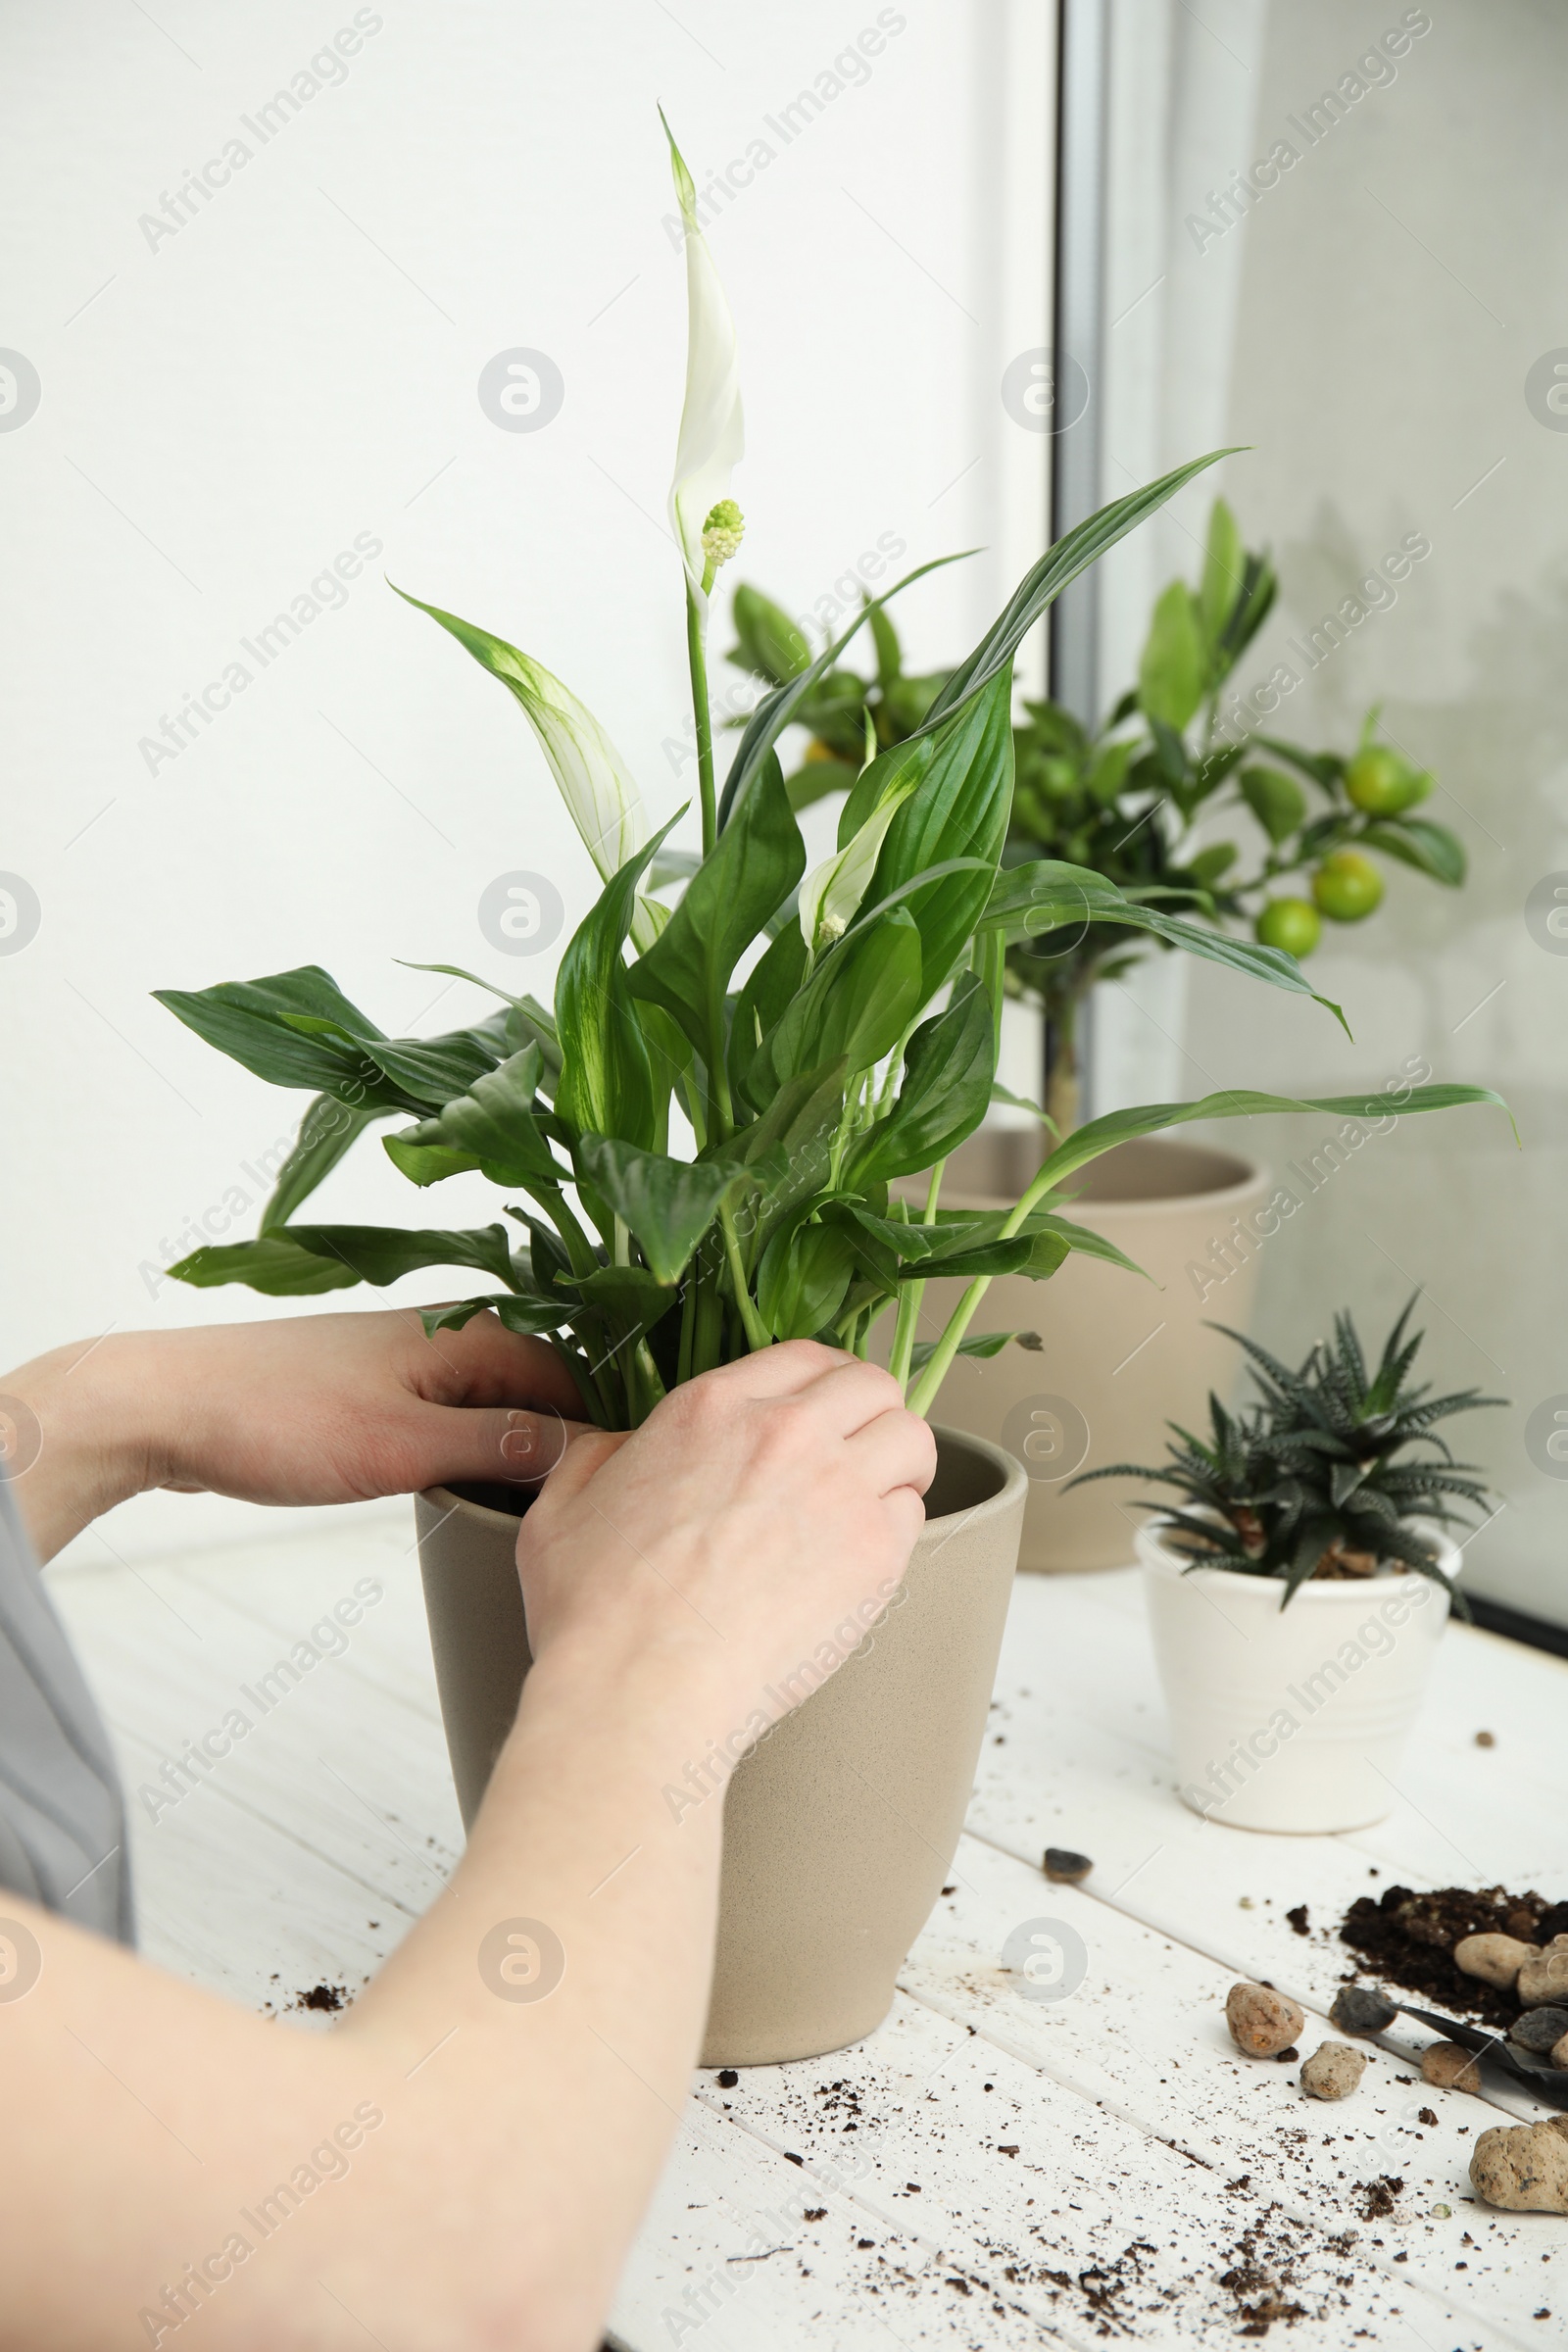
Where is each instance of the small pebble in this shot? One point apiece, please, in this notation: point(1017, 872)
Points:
point(1441, 2213)
point(1523, 2168)
point(1287, 2057)
point(1066, 1867)
point(1539, 2028)
point(1244, 1902)
point(1450, 2066)
point(1361, 2009)
point(728, 2077)
point(1544, 1980)
point(1486, 1740)
point(1262, 2021)
point(1495, 1959)
point(1333, 2070)
point(1559, 2052)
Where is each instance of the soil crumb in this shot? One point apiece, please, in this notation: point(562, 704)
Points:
point(1407, 1937)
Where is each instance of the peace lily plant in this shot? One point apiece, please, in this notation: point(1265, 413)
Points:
point(701, 1133)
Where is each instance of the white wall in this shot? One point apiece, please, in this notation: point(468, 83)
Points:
point(226, 408)
point(1395, 288)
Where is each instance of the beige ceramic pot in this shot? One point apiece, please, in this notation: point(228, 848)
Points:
point(1119, 1357)
point(841, 1824)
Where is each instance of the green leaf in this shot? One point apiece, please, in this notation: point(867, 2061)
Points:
point(958, 808)
point(944, 1092)
point(1416, 841)
point(1208, 865)
point(1029, 899)
point(803, 1274)
point(383, 1253)
point(493, 1127)
point(1118, 1126)
point(782, 708)
point(1276, 800)
point(425, 1163)
point(889, 654)
point(634, 1294)
point(326, 1131)
point(1040, 587)
point(250, 1021)
point(892, 775)
point(861, 997)
point(668, 1204)
point(273, 1264)
point(761, 1006)
point(1224, 572)
point(529, 1317)
point(817, 779)
point(982, 1343)
point(606, 1085)
point(1174, 662)
point(758, 860)
point(769, 641)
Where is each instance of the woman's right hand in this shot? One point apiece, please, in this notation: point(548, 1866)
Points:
point(762, 1510)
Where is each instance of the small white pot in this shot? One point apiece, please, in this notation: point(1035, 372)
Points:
point(1290, 1719)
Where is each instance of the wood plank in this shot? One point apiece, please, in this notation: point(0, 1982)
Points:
point(1142, 2035)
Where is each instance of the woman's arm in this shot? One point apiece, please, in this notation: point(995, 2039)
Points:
point(461, 2163)
point(324, 1408)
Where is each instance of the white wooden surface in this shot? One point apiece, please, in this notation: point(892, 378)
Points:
point(987, 2170)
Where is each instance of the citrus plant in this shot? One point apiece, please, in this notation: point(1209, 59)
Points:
point(1129, 798)
point(701, 1132)
point(1323, 1473)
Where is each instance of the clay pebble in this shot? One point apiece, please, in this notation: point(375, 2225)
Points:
point(1559, 2052)
point(1523, 2168)
point(1333, 2070)
point(1539, 2028)
point(1450, 2066)
point(1543, 1978)
point(1495, 1959)
point(1262, 2021)
point(1064, 1866)
point(1361, 2009)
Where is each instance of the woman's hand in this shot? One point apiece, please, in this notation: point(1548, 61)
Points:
point(763, 1511)
point(318, 1409)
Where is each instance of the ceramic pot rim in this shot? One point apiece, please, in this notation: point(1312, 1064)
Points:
point(1318, 1593)
point(1219, 1197)
point(1014, 1480)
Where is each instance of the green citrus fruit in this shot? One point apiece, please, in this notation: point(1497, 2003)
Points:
point(1292, 924)
point(1346, 886)
point(1383, 783)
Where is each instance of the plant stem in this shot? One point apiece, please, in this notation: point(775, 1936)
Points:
point(911, 1294)
point(923, 1394)
point(696, 659)
point(756, 1331)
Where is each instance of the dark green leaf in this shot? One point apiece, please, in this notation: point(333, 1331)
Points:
point(1276, 800)
point(803, 1274)
point(945, 1092)
point(958, 808)
point(861, 997)
point(273, 1264)
point(1416, 841)
point(1175, 662)
point(982, 1343)
point(1072, 553)
point(757, 863)
point(494, 1127)
point(326, 1131)
point(606, 1084)
point(668, 1204)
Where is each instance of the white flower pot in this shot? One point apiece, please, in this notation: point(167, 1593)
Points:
point(1290, 1719)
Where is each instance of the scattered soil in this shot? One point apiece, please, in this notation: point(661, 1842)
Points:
point(1407, 1939)
point(1377, 2196)
point(1298, 1919)
point(322, 1996)
point(1260, 2290)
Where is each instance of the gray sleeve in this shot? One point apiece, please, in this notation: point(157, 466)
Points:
point(62, 1810)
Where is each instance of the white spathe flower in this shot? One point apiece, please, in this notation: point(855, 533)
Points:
point(832, 891)
point(713, 436)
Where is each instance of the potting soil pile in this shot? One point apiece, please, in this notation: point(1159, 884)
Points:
point(1406, 1937)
